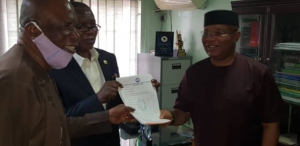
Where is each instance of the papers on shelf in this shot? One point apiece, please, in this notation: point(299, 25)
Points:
point(139, 94)
point(289, 44)
point(288, 139)
point(293, 46)
point(291, 99)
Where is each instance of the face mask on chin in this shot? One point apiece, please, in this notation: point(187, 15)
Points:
point(56, 57)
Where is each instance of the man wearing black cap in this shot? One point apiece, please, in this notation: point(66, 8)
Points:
point(232, 99)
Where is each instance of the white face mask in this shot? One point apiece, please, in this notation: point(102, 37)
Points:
point(56, 57)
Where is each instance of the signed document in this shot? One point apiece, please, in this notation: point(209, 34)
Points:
point(139, 94)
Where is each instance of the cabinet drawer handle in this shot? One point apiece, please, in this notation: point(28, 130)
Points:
point(176, 66)
point(174, 90)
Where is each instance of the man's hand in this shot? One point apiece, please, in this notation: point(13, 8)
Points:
point(180, 117)
point(164, 114)
point(109, 91)
point(121, 113)
point(155, 84)
point(270, 134)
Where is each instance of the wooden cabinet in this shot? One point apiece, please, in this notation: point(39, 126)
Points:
point(276, 18)
point(265, 6)
point(270, 33)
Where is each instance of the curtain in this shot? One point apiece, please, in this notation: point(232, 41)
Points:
point(119, 33)
point(9, 21)
point(120, 30)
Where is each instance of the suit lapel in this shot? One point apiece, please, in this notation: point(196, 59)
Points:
point(105, 67)
point(78, 75)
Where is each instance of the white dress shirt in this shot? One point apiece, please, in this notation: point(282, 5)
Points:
point(92, 70)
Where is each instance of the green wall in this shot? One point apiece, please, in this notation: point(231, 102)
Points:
point(190, 23)
point(150, 23)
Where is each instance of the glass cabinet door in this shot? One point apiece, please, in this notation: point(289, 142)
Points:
point(285, 60)
point(249, 42)
point(285, 66)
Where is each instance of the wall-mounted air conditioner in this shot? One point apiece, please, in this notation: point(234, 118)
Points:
point(180, 4)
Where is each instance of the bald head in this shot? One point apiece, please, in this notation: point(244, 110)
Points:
point(79, 5)
point(55, 18)
point(30, 11)
point(38, 10)
point(84, 13)
point(81, 9)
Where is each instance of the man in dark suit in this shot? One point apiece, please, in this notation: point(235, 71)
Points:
point(87, 84)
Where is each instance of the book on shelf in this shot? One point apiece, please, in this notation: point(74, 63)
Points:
point(254, 36)
point(290, 58)
point(291, 65)
point(292, 46)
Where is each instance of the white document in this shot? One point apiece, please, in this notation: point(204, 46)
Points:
point(139, 94)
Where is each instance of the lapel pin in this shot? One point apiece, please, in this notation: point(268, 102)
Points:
point(105, 61)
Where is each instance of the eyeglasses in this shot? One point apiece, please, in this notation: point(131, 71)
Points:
point(206, 34)
point(84, 28)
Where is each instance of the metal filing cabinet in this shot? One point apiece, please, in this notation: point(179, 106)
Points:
point(168, 71)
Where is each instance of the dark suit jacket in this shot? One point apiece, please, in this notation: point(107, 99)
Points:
point(78, 96)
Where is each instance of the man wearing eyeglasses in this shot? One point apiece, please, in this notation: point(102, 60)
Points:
point(87, 84)
point(232, 100)
point(31, 113)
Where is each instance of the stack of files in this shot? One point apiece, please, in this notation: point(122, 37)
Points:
point(288, 77)
point(288, 83)
point(293, 46)
point(289, 139)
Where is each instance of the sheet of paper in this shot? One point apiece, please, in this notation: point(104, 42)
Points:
point(139, 94)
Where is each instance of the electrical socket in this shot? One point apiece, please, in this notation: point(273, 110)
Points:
point(163, 17)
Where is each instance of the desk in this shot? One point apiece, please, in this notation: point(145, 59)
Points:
point(166, 136)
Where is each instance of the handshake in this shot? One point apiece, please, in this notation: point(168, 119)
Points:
point(121, 114)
